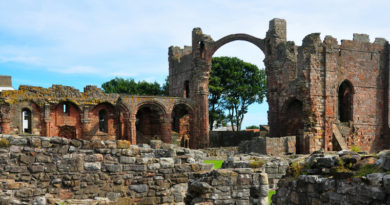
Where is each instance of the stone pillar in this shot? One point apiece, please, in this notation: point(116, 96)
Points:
point(4, 125)
point(4, 119)
point(203, 113)
point(47, 120)
point(201, 45)
point(133, 130)
point(85, 123)
point(166, 130)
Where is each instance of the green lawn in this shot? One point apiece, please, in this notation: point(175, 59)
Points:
point(270, 193)
point(217, 163)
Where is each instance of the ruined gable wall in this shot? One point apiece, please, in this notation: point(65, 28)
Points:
point(312, 74)
point(180, 70)
point(364, 65)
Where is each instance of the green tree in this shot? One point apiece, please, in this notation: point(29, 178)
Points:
point(165, 87)
point(216, 106)
point(129, 86)
point(233, 86)
point(252, 127)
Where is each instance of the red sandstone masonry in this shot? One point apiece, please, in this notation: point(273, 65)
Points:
point(311, 74)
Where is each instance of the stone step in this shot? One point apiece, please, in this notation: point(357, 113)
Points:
point(344, 129)
point(339, 137)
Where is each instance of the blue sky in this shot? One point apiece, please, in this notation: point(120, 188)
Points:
point(79, 43)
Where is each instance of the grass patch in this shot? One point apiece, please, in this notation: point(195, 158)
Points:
point(4, 143)
point(355, 148)
point(368, 169)
point(217, 163)
point(270, 193)
point(256, 163)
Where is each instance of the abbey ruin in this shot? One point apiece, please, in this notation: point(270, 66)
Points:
point(328, 95)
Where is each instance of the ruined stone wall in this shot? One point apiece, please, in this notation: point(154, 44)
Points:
point(343, 177)
point(314, 78)
point(230, 138)
point(364, 65)
point(180, 71)
point(275, 146)
point(57, 169)
point(304, 86)
point(314, 189)
point(66, 112)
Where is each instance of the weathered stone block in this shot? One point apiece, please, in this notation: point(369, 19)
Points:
point(123, 144)
point(139, 188)
point(92, 166)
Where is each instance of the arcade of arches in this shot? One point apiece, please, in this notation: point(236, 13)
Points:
point(314, 91)
point(94, 115)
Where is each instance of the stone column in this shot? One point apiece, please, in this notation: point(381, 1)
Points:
point(4, 119)
point(203, 120)
point(133, 130)
point(85, 123)
point(166, 130)
point(4, 125)
point(47, 119)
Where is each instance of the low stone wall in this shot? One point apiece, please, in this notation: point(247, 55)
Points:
point(227, 186)
point(269, 145)
point(221, 153)
point(275, 167)
point(41, 170)
point(344, 177)
point(315, 189)
point(230, 138)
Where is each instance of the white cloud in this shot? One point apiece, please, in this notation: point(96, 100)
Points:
point(77, 70)
point(19, 59)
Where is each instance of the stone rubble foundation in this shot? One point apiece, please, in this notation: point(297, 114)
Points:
point(42, 170)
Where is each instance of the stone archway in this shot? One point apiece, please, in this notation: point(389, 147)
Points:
point(102, 121)
point(345, 101)
point(151, 124)
point(67, 120)
point(292, 123)
point(182, 116)
point(193, 64)
point(203, 48)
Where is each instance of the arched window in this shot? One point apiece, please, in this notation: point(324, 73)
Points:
point(65, 109)
point(186, 89)
point(345, 101)
point(26, 121)
point(102, 121)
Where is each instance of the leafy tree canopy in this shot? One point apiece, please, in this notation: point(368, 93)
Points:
point(233, 86)
point(252, 127)
point(129, 86)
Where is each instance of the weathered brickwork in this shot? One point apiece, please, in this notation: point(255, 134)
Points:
point(55, 170)
point(310, 87)
point(315, 91)
point(66, 112)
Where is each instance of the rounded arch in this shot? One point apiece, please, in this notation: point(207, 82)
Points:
point(292, 101)
point(162, 108)
point(26, 120)
point(124, 128)
point(103, 121)
point(30, 122)
point(293, 122)
point(235, 37)
point(104, 105)
point(345, 101)
point(67, 104)
point(151, 122)
point(182, 124)
point(66, 123)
